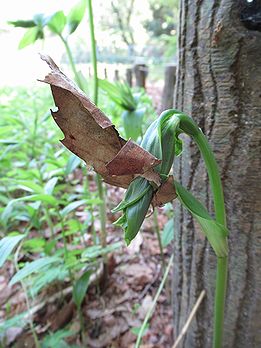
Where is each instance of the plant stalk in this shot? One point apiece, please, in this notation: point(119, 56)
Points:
point(222, 263)
point(86, 187)
point(102, 208)
point(71, 61)
point(190, 128)
point(156, 226)
point(93, 52)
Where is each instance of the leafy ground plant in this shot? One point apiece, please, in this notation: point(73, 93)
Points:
point(133, 112)
point(144, 169)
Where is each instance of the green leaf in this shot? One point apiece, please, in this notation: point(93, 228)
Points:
point(136, 330)
point(132, 123)
point(35, 245)
point(33, 267)
point(30, 186)
point(178, 146)
point(120, 93)
point(72, 206)
point(56, 339)
point(135, 207)
point(159, 140)
point(80, 288)
point(215, 232)
point(76, 15)
point(29, 37)
point(19, 320)
point(57, 22)
point(94, 251)
point(136, 190)
point(23, 23)
point(49, 246)
point(7, 212)
point(72, 164)
point(168, 233)
point(44, 198)
point(7, 244)
point(57, 273)
point(50, 185)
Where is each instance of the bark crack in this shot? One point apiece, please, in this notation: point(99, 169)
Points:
point(214, 105)
point(234, 136)
point(246, 291)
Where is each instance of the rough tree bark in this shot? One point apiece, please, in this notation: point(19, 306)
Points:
point(219, 85)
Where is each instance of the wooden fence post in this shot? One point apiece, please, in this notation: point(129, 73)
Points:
point(169, 85)
point(105, 73)
point(129, 76)
point(116, 75)
point(141, 72)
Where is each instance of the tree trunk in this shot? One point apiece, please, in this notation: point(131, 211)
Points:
point(219, 85)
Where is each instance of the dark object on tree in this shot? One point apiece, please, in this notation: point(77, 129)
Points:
point(219, 85)
point(250, 14)
point(169, 85)
point(129, 76)
point(141, 72)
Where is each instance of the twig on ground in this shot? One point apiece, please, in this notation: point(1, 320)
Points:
point(191, 316)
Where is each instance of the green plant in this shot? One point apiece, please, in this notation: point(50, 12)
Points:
point(63, 26)
point(57, 339)
point(151, 163)
point(132, 116)
point(58, 24)
point(171, 124)
point(79, 290)
point(41, 191)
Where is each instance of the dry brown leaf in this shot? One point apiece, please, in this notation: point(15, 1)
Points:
point(165, 194)
point(89, 134)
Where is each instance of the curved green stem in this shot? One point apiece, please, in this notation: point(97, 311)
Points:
point(189, 127)
point(214, 177)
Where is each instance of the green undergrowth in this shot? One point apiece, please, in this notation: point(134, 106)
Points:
point(47, 211)
point(46, 208)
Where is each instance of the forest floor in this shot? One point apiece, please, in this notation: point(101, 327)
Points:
point(112, 310)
